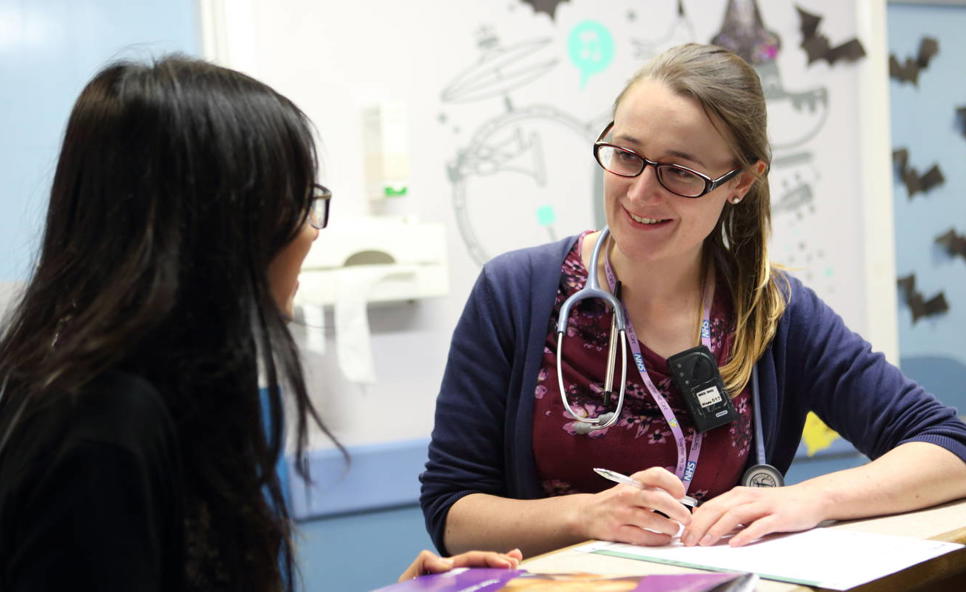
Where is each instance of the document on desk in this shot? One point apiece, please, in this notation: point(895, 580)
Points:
point(832, 558)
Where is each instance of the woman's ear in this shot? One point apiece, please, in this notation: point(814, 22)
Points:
point(747, 178)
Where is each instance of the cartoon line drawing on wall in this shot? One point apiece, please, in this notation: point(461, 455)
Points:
point(796, 116)
point(513, 141)
point(681, 31)
point(509, 142)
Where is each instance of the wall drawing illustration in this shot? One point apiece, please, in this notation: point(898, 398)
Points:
point(519, 139)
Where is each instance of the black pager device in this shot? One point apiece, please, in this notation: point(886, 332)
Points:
point(695, 373)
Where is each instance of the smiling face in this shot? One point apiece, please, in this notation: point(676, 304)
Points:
point(648, 222)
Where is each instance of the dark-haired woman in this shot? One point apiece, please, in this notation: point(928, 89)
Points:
point(136, 450)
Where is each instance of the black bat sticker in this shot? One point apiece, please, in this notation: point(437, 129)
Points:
point(908, 70)
point(817, 46)
point(915, 182)
point(953, 243)
point(918, 305)
point(961, 119)
point(549, 7)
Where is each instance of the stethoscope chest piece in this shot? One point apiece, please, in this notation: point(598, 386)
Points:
point(762, 475)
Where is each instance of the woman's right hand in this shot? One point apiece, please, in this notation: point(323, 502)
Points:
point(428, 562)
point(626, 514)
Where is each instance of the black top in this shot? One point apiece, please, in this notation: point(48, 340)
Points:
point(91, 493)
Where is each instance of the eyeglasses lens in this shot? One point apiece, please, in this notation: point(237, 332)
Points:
point(628, 164)
point(680, 181)
point(319, 212)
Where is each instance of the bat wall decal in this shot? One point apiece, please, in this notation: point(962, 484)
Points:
point(918, 305)
point(953, 243)
point(817, 45)
point(908, 70)
point(915, 183)
point(548, 7)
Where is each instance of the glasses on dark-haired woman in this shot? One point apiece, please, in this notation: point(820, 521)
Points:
point(319, 210)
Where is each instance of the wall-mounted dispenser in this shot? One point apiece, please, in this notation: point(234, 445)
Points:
point(364, 261)
point(385, 139)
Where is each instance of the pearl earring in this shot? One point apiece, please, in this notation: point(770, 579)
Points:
point(736, 200)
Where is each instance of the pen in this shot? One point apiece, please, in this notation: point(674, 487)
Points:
point(616, 477)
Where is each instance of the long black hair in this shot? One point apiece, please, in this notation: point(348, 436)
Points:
point(177, 184)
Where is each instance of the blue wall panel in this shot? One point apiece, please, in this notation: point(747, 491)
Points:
point(924, 122)
point(48, 50)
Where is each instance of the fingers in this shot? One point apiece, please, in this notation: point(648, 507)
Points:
point(661, 478)
point(488, 559)
point(427, 562)
point(632, 518)
point(750, 514)
point(647, 515)
point(634, 535)
point(662, 492)
point(755, 531)
point(710, 526)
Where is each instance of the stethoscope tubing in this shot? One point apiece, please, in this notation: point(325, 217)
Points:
point(592, 289)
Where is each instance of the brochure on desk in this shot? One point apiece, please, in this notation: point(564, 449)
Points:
point(493, 580)
point(832, 558)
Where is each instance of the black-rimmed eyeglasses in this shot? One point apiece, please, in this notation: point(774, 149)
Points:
point(319, 209)
point(679, 180)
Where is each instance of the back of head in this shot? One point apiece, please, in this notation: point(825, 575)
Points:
point(730, 92)
point(177, 183)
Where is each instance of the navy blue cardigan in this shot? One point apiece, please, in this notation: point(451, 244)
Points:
point(482, 439)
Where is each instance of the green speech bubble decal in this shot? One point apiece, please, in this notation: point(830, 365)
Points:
point(591, 49)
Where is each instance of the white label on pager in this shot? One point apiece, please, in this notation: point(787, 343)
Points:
point(709, 396)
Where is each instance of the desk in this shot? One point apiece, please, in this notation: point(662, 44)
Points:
point(946, 573)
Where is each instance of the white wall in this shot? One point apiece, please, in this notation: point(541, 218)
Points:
point(336, 58)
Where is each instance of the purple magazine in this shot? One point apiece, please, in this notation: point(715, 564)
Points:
point(493, 580)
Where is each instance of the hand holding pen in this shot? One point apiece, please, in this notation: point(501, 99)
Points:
point(653, 514)
point(689, 502)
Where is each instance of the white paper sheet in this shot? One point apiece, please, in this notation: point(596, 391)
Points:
point(833, 558)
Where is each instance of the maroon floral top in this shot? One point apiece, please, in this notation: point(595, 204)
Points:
point(641, 437)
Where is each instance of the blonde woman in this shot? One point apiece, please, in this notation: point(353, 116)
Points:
point(527, 410)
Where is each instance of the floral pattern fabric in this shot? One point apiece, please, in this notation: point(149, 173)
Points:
point(641, 438)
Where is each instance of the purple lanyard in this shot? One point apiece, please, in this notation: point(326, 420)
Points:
point(684, 470)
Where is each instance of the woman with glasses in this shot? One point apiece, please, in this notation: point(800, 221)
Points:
point(528, 406)
point(137, 451)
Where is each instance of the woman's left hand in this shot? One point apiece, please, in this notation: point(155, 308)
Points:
point(753, 512)
point(428, 563)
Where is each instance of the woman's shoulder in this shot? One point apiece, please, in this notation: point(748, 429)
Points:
point(117, 409)
point(800, 300)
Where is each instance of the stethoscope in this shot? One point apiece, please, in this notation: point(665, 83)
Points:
point(590, 290)
point(759, 475)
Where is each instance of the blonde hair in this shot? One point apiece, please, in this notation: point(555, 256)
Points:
point(730, 92)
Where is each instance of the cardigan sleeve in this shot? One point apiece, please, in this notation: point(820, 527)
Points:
point(466, 452)
point(855, 390)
